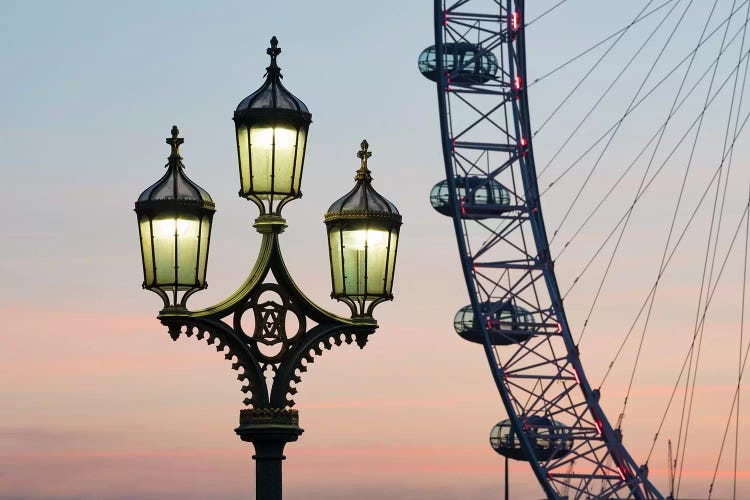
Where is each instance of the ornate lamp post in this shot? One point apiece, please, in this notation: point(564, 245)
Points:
point(263, 326)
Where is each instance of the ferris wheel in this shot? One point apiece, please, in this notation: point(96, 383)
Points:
point(511, 263)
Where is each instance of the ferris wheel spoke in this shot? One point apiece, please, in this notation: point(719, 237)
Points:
point(642, 16)
point(662, 81)
point(609, 88)
point(651, 180)
point(677, 245)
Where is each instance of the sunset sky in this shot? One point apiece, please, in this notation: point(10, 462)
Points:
point(96, 400)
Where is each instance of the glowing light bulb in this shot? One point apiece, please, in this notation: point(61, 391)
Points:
point(285, 138)
point(371, 237)
point(166, 228)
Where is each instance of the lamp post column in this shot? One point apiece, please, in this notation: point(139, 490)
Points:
point(269, 430)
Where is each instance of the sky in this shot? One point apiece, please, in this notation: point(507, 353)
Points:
point(96, 400)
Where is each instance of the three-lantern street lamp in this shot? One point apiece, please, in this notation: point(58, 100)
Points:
point(263, 327)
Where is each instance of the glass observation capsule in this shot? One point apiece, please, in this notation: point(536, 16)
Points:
point(466, 63)
point(271, 126)
point(174, 220)
point(508, 323)
point(363, 229)
point(549, 438)
point(479, 197)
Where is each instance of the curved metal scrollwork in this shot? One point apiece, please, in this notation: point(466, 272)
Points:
point(262, 328)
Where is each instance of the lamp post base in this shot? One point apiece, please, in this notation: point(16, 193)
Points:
point(269, 429)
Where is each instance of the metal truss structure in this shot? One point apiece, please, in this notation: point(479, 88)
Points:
point(486, 135)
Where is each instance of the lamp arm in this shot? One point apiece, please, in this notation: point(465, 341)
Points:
point(256, 276)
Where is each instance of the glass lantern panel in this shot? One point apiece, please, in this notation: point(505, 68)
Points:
point(353, 253)
point(205, 235)
point(334, 245)
point(144, 227)
point(377, 243)
point(392, 247)
point(243, 152)
point(176, 250)
point(301, 143)
point(285, 142)
point(272, 150)
point(261, 152)
point(188, 232)
point(365, 253)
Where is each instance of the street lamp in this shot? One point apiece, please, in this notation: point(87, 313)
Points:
point(262, 328)
point(363, 232)
point(174, 220)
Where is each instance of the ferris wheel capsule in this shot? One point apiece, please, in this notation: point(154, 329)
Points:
point(480, 197)
point(507, 323)
point(466, 63)
point(549, 438)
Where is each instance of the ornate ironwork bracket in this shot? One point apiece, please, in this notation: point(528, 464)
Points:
point(268, 328)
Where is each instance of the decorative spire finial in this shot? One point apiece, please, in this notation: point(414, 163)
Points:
point(273, 51)
point(363, 174)
point(175, 142)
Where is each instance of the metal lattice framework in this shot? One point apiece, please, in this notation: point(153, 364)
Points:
point(486, 134)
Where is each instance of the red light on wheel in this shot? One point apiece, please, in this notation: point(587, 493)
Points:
point(621, 473)
point(598, 426)
point(515, 20)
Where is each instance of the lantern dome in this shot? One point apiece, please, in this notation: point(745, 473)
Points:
point(465, 63)
point(363, 229)
point(480, 197)
point(175, 187)
point(549, 438)
point(363, 198)
point(271, 126)
point(507, 323)
point(174, 220)
point(272, 96)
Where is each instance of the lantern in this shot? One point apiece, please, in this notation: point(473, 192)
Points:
point(174, 219)
point(363, 229)
point(271, 127)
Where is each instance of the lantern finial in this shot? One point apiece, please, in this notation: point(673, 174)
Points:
point(273, 51)
point(175, 142)
point(363, 174)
